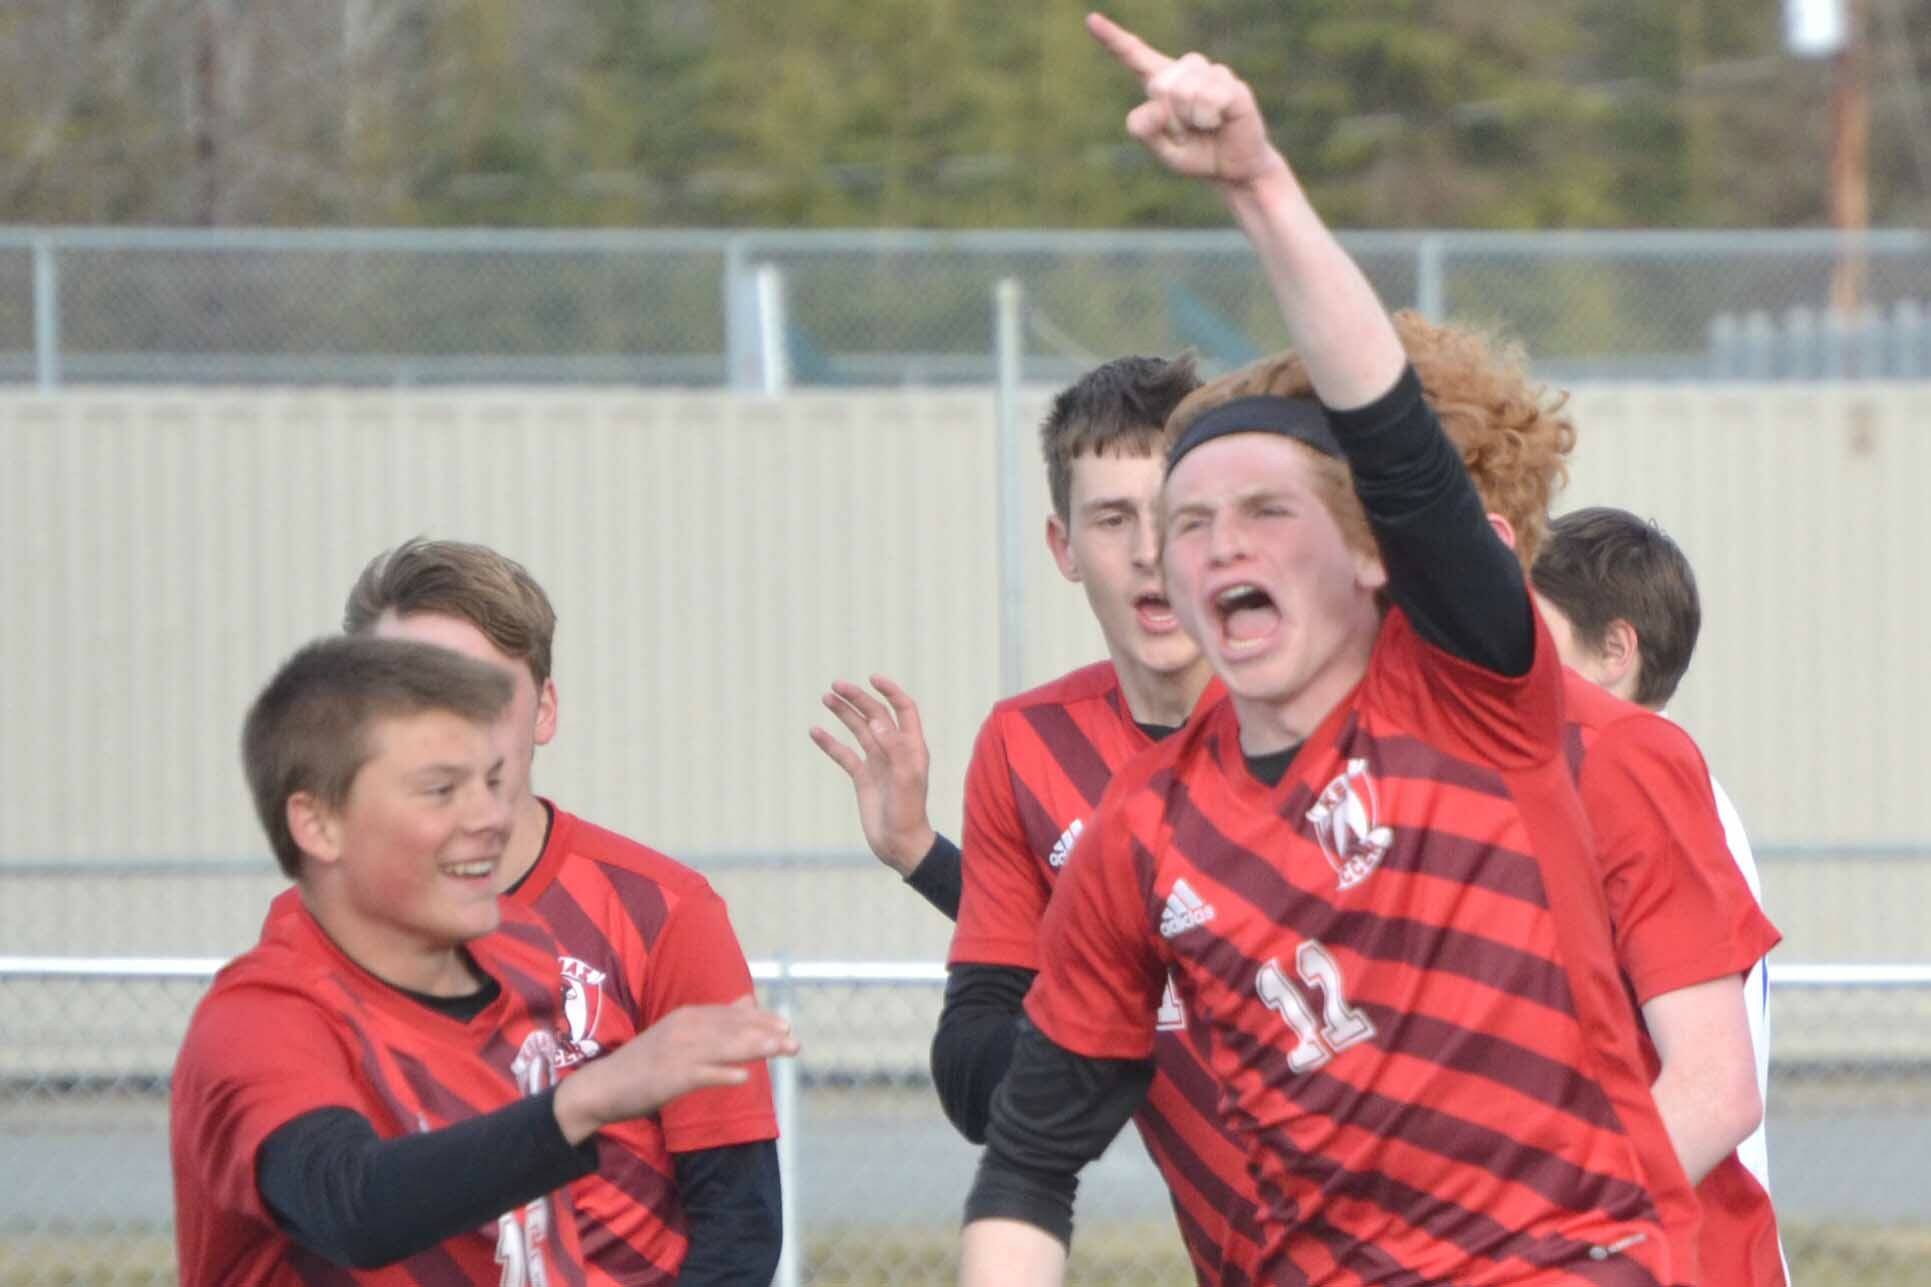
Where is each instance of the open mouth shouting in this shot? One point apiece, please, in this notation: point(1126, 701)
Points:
point(1248, 619)
point(1154, 613)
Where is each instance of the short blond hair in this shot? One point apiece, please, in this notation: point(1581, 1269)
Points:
point(310, 729)
point(494, 593)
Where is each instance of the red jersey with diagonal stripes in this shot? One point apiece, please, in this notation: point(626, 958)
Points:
point(294, 1025)
point(1683, 915)
point(639, 936)
point(1402, 960)
point(1043, 760)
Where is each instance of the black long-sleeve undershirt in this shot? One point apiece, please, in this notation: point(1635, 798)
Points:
point(973, 1045)
point(733, 1203)
point(1465, 593)
point(353, 1198)
point(1054, 1112)
point(1447, 569)
point(937, 879)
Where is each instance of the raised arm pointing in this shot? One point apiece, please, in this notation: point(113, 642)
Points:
point(1200, 120)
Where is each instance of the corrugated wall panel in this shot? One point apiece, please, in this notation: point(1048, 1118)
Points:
point(717, 561)
point(1803, 512)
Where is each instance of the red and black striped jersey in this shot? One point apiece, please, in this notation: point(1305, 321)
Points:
point(1042, 762)
point(1682, 915)
point(640, 935)
point(294, 1025)
point(1402, 960)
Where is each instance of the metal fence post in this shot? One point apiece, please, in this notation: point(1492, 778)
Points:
point(46, 316)
point(740, 318)
point(774, 364)
point(1009, 303)
point(1429, 301)
point(784, 1094)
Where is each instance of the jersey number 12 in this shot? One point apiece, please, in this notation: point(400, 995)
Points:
point(520, 1236)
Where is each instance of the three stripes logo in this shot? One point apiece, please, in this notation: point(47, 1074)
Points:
point(1064, 848)
point(1184, 911)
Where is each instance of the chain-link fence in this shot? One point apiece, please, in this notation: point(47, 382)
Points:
point(875, 1176)
point(1858, 904)
point(765, 310)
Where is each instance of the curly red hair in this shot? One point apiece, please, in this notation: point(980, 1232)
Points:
point(1512, 433)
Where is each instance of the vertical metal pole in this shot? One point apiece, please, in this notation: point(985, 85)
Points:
point(1850, 158)
point(1009, 303)
point(740, 319)
point(774, 363)
point(784, 1094)
point(1429, 301)
point(46, 316)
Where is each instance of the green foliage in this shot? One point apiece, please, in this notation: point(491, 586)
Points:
point(941, 113)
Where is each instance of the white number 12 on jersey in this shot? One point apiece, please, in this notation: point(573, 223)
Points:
point(1171, 1016)
point(520, 1236)
point(1315, 1040)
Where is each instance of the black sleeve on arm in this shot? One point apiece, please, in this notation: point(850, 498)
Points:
point(973, 1046)
point(356, 1199)
point(937, 878)
point(1447, 569)
point(1055, 1112)
point(734, 1213)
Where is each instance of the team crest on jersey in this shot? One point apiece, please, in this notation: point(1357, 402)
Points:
point(1063, 847)
point(1345, 818)
point(582, 1007)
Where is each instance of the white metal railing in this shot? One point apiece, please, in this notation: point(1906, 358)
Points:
point(27, 866)
point(885, 973)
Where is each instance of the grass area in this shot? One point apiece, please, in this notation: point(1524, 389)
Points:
point(1820, 1256)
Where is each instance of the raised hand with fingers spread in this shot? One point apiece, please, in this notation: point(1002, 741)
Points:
point(889, 771)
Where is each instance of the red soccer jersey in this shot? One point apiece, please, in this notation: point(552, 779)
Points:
point(1402, 958)
point(640, 935)
point(1042, 762)
point(293, 1025)
point(1682, 915)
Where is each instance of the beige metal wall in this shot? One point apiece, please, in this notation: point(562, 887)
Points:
point(1807, 514)
point(716, 560)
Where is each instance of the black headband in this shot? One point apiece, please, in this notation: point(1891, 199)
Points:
point(1301, 419)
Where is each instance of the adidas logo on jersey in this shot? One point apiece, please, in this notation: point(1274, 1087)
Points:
point(1184, 911)
point(1063, 847)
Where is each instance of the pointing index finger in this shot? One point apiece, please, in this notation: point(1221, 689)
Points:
point(1133, 53)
